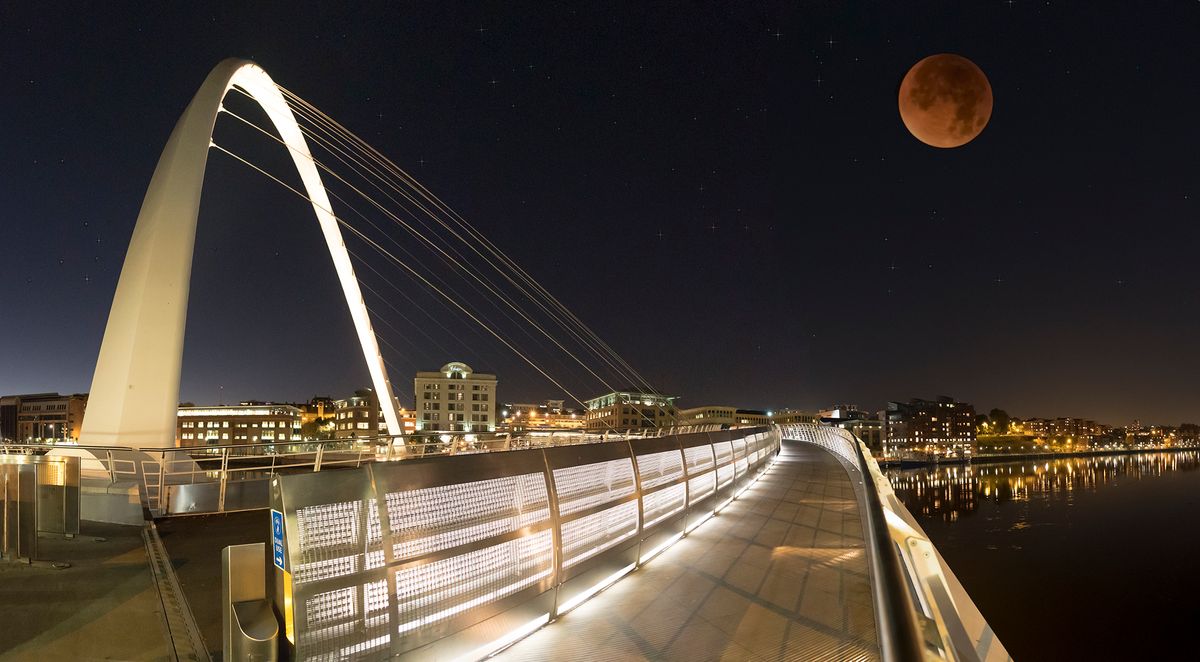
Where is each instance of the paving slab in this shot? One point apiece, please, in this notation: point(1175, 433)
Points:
point(105, 606)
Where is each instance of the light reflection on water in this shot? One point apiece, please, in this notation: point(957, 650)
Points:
point(1057, 554)
point(951, 491)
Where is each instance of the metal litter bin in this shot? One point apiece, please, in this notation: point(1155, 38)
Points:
point(40, 494)
point(250, 629)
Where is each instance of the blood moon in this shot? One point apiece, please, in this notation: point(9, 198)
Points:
point(945, 100)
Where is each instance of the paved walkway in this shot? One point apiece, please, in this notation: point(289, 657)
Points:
point(195, 543)
point(104, 607)
point(781, 574)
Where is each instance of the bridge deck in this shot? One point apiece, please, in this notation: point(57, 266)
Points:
point(780, 574)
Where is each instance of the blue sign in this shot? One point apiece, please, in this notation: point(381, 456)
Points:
point(277, 537)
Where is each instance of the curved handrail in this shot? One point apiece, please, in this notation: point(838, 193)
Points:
point(899, 634)
point(921, 610)
point(900, 638)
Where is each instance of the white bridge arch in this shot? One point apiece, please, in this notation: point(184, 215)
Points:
point(135, 389)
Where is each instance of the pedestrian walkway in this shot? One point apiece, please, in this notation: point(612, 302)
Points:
point(780, 574)
point(104, 606)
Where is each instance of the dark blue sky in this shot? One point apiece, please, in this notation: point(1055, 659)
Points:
point(725, 194)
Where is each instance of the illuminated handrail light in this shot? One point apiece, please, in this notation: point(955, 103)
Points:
point(583, 596)
point(659, 550)
point(505, 641)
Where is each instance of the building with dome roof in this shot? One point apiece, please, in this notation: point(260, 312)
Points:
point(455, 399)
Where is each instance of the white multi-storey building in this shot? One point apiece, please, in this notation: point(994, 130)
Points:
point(455, 399)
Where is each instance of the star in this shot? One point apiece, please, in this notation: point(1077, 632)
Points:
point(830, 42)
point(818, 80)
point(777, 34)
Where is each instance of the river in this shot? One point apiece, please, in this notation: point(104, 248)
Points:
point(1072, 559)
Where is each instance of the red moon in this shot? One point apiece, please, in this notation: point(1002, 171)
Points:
point(945, 100)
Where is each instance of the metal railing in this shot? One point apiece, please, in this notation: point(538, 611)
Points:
point(456, 558)
point(226, 477)
point(921, 609)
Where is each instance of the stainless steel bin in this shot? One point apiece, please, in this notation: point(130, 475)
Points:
point(40, 494)
point(250, 629)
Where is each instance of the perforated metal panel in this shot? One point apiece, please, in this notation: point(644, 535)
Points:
point(660, 468)
point(724, 475)
point(658, 506)
point(590, 485)
point(701, 486)
point(724, 452)
point(588, 536)
point(330, 541)
point(698, 459)
point(429, 593)
point(337, 543)
point(399, 557)
point(437, 518)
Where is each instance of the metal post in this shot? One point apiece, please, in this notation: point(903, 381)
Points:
point(162, 481)
point(320, 453)
point(224, 478)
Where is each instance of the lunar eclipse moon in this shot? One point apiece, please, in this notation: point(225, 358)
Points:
point(945, 100)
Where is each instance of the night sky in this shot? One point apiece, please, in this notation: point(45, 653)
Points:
point(726, 195)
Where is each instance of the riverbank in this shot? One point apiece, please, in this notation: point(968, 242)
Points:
point(1019, 457)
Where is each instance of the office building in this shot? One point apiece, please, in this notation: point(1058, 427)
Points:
point(246, 423)
point(726, 417)
point(360, 417)
point(455, 399)
point(42, 417)
point(792, 416)
point(550, 415)
point(630, 409)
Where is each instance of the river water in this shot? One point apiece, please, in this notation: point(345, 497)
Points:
point(1072, 559)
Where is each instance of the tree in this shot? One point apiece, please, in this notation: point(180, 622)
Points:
point(1000, 420)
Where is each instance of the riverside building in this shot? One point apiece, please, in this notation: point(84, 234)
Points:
point(631, 410)
point(247, 423)
point(929, 425)
point(455, 399)
point(359, 417)
point(724, 416)
point(42, 417)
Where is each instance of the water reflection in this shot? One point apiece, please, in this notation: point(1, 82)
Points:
point(950, 491)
